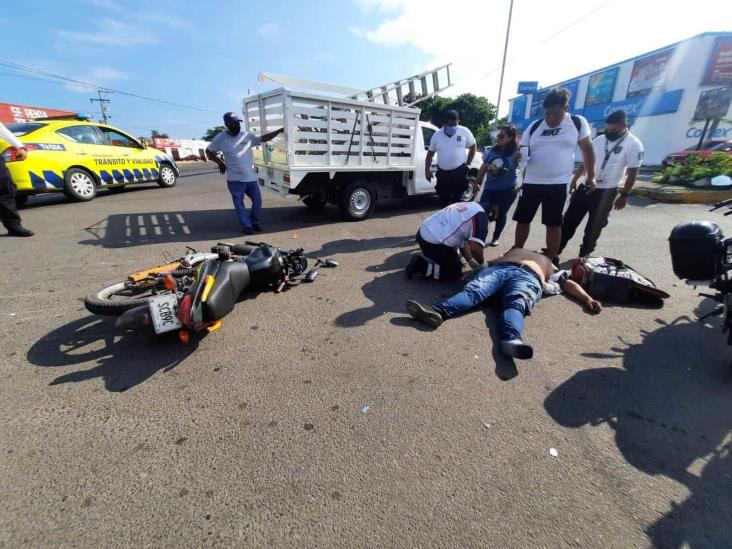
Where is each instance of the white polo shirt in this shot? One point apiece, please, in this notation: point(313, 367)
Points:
point(626, 152)
point(456, 224)
point(551, 151)
point(451, 151)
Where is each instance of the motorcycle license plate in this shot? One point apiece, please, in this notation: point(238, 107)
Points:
point(164, 313)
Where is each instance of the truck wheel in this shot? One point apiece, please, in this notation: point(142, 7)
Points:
point(80, 185)
point(357, 201)
point(468, 194)
point(314, 202)
point(21, 200)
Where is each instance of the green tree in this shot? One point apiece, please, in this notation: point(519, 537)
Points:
point(213, 132)
point(476, 113)
point(156, 133)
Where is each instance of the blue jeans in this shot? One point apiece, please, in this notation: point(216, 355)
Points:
point(249, 188)
point(502, 201)
point(518, 289)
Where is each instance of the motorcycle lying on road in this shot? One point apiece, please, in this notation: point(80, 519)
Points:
point(702, 256)
point(194, 292)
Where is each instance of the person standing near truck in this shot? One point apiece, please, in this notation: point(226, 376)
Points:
point(450, 143)
point(8, 208)
point(236, 146)
point(547, 147)
point(616, 151)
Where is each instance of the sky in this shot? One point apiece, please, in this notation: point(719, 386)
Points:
point(205, 57)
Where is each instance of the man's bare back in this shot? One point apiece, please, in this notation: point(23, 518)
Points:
point(539, 263)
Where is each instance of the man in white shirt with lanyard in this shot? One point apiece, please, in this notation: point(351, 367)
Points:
point(616, 151)
point(547, 150)
point(8, 208)
point(450, 143)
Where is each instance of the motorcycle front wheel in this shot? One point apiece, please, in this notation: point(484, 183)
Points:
point(116, 299)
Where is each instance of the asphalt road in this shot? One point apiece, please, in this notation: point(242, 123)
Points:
point(325, 417)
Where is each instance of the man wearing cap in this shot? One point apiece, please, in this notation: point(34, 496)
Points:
point(236, 146)
point(617, 152)
point(8, 208)
point(450, 143)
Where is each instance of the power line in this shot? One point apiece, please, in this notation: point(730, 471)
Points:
point(34, 70)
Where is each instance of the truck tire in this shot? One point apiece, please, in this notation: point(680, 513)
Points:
point(357, 201)
point(79, 185)
point(314, 202)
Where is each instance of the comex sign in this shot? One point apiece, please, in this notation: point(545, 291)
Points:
point(717, 133)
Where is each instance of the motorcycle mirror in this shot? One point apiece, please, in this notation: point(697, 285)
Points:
point(311, 276)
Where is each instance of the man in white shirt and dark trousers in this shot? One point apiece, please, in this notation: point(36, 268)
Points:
point(236, 146)
point(615, 151)
point(546, 153)
point(8, 208)
point(450, 143)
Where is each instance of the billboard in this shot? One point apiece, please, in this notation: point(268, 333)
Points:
point(537, 104)
point(601, 87)
point(518, 109)
point(528, 87)
point(11, 113)
point(573, 87)
point(713, 103)
point(648, 74)
point(719, 70)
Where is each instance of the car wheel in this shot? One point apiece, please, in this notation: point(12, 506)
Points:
point(314, 202)
point(21, 200)
point(168, 176)
point(357, 201)
point(80, 185)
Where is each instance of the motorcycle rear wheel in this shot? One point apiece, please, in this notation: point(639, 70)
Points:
point(114, 300)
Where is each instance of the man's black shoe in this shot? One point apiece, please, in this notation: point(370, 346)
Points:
point(257, 228)
point(417, 265)
point(19, 231)
point(426, 315)
point(517, 349)
point(247, 230)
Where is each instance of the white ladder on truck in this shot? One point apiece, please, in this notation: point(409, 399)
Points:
point(405, 92)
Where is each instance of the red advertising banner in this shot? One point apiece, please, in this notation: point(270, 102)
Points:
point(648, 74)
point(11, 114)
point(720, 62)
point(163, 142)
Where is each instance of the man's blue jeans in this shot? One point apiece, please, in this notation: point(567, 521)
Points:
point(249, 188)
point(518, 289)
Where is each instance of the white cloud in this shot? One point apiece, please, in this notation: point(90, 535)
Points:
point(268, 29)
point(614, 30)
point(108, 32)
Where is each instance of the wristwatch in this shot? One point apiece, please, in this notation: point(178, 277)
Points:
point(624, 194)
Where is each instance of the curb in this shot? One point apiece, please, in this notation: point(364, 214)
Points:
point(680, 195)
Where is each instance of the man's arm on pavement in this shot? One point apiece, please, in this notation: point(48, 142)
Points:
point(576, 291)
point(471, 153)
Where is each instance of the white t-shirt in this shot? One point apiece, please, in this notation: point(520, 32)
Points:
point(626, 152)
point(551, 151)
point(456, 224)
point(238, 155)
point(451, 150)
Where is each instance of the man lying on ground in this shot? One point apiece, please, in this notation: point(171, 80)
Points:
point(462, 226)
point(519, 278)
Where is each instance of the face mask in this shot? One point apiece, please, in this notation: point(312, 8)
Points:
point(613, 136)
point(234, 129)
point(450, 130)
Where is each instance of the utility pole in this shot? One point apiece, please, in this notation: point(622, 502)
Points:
point(103, 104)
point(503, 66)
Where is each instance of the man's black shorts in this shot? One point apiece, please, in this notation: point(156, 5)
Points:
point(551, 198)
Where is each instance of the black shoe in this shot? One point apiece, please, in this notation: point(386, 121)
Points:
point(19, 230)
point(426, 315)
point(517, 349)
point(257, 228)
point(417, 265)
point(247, 230)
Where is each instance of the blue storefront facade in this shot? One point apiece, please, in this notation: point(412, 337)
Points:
point(659, 90)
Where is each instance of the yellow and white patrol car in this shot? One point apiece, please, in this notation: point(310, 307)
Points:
point(76, 156)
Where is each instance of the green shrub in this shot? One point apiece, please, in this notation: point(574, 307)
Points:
point(696, 167)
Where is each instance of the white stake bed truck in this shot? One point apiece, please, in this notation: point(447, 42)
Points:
point(344, 151)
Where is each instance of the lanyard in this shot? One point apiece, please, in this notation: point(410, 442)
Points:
point(609, 152)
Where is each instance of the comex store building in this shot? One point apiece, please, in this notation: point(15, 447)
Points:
point(659, 91)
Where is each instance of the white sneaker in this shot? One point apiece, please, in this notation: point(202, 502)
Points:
point(517, 349)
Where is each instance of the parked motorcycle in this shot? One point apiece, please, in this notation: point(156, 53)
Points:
point(194, 292)
point(702, 256)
